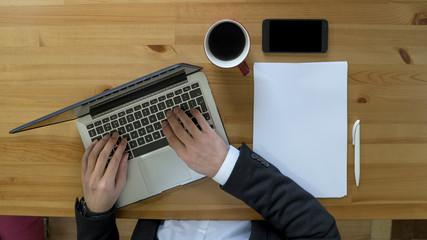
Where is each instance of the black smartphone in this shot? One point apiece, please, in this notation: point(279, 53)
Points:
point(295, 35)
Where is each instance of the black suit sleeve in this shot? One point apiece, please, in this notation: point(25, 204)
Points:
point(101, 227)
point(291, 210)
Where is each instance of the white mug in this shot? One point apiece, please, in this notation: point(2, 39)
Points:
point(227, 44)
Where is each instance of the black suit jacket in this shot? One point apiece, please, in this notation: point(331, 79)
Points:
point(289, 211)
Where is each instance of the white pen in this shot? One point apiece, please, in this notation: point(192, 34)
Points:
point(356, 143)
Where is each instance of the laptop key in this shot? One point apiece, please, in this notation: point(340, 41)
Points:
point(137, 124)
point(154, 109)
point(149, 129)
point(185, 97)
point(98, 123)
point(115, 124)
point(140, 141)
point(129, 127)
point(177, 100)
point(107, 127)
point(144, 122)
point(169, 103)
point(184, 106)
point(152, 118)
point(162, 98)
point(156, 135)
point(138, 115)
point(142, 132)
point(161, 106)
point(177, 92)
point(99, 130)
point(148, 138)
point(127, 136)
point(157, 126)
point(122, 121)
point(202, 104)
point(130, 118)
point(160, 115)
point(92, 133)
point(90, 126)
point(206, 116)
point(150, 147)
point(121, 130)
point(133, 144)
point(145, 112)
point(134, 135)
point(195, 93)
point(192, 103)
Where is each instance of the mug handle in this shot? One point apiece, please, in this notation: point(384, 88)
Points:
point(244, 68)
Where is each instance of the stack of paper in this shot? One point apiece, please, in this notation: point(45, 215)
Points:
point(300, 123)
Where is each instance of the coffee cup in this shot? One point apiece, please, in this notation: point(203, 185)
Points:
point(227, 44)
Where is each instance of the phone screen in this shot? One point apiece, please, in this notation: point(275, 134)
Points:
point(295, 35)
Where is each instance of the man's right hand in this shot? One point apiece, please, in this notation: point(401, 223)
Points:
point(202, 150)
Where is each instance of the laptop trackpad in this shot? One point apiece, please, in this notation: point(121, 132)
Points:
point(163, 171)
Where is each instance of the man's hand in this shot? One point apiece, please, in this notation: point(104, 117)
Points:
point(102, 186)
point(202, 150)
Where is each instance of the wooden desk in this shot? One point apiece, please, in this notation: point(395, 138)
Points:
point(56, 52)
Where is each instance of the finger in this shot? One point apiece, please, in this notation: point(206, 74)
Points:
point(93, 156)
point(177, 128)
point(121, 174)
point(86, 156)
point(101, 163)
point(200, 119)
point(188, 123)
point(173, 140)
point(111, 171)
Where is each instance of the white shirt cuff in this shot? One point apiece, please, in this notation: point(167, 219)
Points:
point(227, 166)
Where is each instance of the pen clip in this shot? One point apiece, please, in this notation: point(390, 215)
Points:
point(355, 126)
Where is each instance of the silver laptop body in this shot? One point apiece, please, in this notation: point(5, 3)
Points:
point(136, 110)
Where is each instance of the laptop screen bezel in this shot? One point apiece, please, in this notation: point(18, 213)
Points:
point(70, 114)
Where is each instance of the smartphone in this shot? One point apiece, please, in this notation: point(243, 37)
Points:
point(295, 35)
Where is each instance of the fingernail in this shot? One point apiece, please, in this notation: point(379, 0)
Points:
point(169, 113)
point(176, 110)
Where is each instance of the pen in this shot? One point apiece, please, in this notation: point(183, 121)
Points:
point(356, 143)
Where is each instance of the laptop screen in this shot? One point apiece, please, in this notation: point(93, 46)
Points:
point(94, 103)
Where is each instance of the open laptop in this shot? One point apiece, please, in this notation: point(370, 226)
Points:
point(136, 110)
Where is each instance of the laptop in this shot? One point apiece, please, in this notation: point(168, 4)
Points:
point(136, 110)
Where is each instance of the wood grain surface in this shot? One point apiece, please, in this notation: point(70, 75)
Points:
point(54, 53)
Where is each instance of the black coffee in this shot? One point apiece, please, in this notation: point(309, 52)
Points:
point(227, 41)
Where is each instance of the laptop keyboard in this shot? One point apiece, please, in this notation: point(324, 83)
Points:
point(141, 124)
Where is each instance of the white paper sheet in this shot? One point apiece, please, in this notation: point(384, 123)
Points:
point(300, 123)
